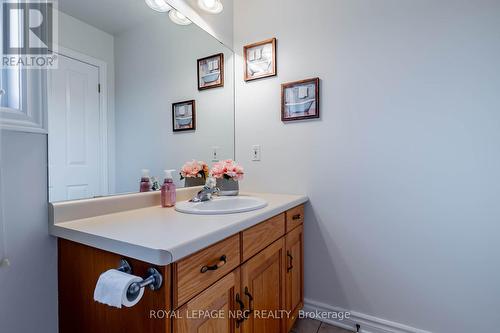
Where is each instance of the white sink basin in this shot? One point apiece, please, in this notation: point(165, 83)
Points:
point(221, 205)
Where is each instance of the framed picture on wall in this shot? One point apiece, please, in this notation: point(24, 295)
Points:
point(260, 60)
point(184, 116)
point(211, 72)
point(300, 100)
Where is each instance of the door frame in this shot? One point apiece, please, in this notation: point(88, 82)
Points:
point(104, 149)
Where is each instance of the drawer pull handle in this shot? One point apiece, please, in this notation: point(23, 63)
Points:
point(222, 262)
point(289, 255)
point(297, 217)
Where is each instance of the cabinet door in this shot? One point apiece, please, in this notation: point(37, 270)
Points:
point(263, 281)
point(212, 311)
point(294, 274)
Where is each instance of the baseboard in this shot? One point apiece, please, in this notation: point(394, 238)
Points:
point(369, 324)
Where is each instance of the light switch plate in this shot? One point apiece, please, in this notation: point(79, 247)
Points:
point(256, 153)
point(5, 262)
point(215, 154)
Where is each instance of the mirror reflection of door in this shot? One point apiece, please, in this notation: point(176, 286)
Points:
point(74, 131)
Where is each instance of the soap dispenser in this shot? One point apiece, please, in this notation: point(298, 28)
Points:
point(168, 190)
point(145, 181)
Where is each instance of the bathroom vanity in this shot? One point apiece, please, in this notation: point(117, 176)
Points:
point(221, 273)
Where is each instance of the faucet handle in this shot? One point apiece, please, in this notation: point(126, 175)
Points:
point(210, 183)
point(216, 191)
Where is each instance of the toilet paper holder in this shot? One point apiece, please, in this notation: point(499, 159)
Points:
point(125, 267)
point(154, 280)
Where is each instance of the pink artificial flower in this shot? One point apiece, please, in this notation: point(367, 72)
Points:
point(194, 169)
point(227, 168)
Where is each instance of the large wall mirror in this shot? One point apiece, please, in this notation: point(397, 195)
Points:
point(133, 90)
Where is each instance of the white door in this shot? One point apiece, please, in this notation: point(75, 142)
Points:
point(74, 131)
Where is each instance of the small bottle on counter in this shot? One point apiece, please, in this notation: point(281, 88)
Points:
point(145, 181)
point(168, 194)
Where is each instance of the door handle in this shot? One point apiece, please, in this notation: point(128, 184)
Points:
point(250, 302)
point(241, 319)
point(290, 267)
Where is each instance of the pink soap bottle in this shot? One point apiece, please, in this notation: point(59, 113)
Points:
point(168, 193)
point(145, 181)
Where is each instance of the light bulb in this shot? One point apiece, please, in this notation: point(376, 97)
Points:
point(209, 3)
point(158, 5)
point(178, 17)
point(211, 6)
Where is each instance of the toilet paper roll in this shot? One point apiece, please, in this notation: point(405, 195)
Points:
point(111, 289)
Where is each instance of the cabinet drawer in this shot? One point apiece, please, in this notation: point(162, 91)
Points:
point(294, 217)
point(258, 237)
point(198, 271)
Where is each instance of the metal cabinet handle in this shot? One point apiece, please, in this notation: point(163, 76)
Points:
point(240, 302)
point(240, 320)
point(250, 302)
point(297, 217)
point(245, 313)
point(290, 267)
point(222, 262)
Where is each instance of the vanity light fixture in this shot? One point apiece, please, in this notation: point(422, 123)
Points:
point(158, 5)
point(211, 6)
point(162, 6)
point(178, 17)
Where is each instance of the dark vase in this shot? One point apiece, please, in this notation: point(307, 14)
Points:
point(228, 186)
point(192, 181)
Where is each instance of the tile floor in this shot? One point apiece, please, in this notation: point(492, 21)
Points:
point(314, 326)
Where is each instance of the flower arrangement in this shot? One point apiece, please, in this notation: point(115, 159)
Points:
point(227, 169)
point(194, 169)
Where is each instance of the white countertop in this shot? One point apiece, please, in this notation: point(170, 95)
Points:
point(162, 235)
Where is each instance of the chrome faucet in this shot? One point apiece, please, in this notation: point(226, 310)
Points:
point(207, 191)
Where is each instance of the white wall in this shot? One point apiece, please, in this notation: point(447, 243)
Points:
point(28, 287)
point(402, 168)
point(156, 65)
point(88, 40)
point(82, 37)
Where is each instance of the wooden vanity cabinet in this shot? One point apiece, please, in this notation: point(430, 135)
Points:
point(240, 284)
point(270, 277)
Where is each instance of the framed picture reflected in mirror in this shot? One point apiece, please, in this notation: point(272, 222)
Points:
point(211, 72)
point(184, 116)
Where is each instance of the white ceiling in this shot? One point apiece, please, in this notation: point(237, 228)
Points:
point(112, 16)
